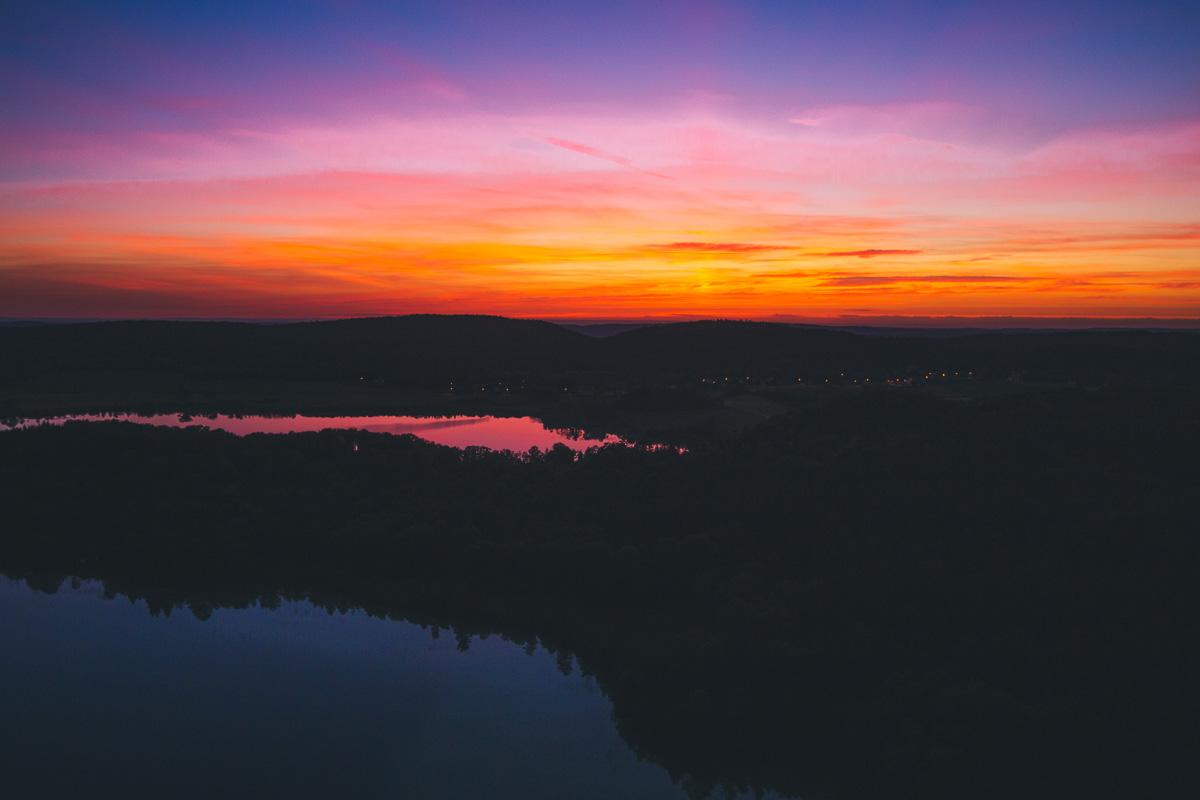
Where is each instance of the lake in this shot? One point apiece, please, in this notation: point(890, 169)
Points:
point(518, 434)
point(103, 699)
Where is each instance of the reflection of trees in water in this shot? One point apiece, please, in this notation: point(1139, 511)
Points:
point(889, 596)
point(407, 602)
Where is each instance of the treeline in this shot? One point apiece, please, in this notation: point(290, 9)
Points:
point(434, 352)
point(879, 593)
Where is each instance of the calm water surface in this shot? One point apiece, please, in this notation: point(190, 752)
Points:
point(498, 433)
point(101, 699)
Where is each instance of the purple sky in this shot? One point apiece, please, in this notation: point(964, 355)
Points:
point(542, 158)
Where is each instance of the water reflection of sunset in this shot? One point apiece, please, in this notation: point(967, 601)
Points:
point(517, 434)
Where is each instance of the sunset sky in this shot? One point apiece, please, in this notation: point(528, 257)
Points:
point(600, 160)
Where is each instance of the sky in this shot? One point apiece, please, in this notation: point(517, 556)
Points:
point(608, 160)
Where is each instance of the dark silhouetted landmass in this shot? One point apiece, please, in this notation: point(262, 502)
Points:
point(668, 380)
point(872, 593)
point(432, 351)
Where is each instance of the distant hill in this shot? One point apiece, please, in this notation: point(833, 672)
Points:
point(419, 349)
point(434, 350)
point(776, 350)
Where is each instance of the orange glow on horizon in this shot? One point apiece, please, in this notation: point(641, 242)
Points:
point(671, 218)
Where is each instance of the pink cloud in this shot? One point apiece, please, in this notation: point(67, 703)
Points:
point(420, 73)
point(583, 149)
point(932, 118)
point(1100, 165)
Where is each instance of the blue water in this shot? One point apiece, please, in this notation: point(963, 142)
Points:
point(101, 699)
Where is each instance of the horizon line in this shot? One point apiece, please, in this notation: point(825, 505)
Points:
point(998, 322)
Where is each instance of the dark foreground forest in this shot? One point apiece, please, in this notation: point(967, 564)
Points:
point(874, 593)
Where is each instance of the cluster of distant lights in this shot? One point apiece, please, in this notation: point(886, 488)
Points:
point(898, 381)
point(501, 386)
